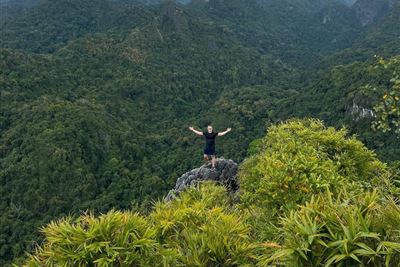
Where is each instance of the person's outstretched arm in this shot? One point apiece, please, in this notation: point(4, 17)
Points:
point(224, 133)
point(195, 131)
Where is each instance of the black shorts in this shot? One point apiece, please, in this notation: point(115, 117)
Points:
point(209, 151)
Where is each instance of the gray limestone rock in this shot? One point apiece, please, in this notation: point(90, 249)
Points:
point(225, 173)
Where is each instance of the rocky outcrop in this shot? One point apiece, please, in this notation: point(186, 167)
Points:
point(225, 174)
point(359, 112)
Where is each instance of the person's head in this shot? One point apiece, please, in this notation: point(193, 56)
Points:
point(209, 128)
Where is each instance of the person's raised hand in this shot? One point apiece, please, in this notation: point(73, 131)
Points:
point(191, 128)
point(229, 129)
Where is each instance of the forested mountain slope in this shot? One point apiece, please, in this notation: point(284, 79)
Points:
point(50, 24)
point(346, 95)
point(96, 96)
point(307, 194)
point(381, 37)
point(101, 122)
point(298, 32)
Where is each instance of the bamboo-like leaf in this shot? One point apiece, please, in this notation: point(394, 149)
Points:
point(335, 259)
point(354, 257)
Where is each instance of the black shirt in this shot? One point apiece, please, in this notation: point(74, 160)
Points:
point(210, 138)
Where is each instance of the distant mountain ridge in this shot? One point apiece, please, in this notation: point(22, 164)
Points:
point(325, 25)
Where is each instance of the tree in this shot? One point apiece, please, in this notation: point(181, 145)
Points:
point(388, 109)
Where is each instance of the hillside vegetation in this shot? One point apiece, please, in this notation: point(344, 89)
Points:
point(96, 97)
point(310, 196)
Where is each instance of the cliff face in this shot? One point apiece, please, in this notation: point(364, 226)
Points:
point(225, 173)
point(369, 11)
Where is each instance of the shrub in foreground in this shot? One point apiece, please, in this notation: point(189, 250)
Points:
point(300, 158)
point(113, 239)
point(345, 231)
point(198, 229)
point(202, 228)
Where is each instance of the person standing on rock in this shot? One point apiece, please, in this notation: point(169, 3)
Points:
point(209, 150)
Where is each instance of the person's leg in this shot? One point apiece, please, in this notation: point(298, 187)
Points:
point(206, 153)
point(213, 161)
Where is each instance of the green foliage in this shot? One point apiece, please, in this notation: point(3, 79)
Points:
point(101, 122)
point(301, 158)
point(395, 170)
point(377, 39)
point(113, 239)
point(197, 229)
point(340, 231)
point(61, 159)
point(48, 25)
point(346, 95)
point(201, 228)
point(96, 95)
point(388, 110)
point(284, 28)
point(347, 216)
